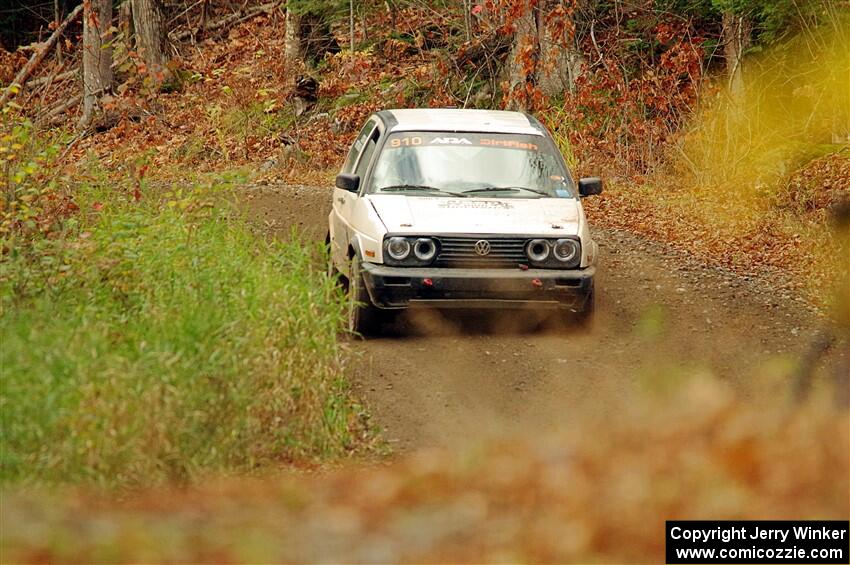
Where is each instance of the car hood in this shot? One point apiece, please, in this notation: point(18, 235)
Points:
point(440, 215)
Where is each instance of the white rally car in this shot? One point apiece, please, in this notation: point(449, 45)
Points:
point(459, 208)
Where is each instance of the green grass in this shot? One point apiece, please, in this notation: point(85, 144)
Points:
point(160, 340)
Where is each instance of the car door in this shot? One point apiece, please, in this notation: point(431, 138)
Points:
point(344, 202)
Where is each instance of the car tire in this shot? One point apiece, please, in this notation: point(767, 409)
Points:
point(332, 271)
point(363, 317)
point(587, 314)
point(584, 317)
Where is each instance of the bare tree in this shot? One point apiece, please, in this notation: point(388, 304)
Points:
point(560, 59)
point(150, 37)
point(125, 22)
point(543, 54)
point(351, 24)
point(467, 18)
point(57, 18)
point(97, 55)
point(522, 61)
point(736, 40)
point(292, 41)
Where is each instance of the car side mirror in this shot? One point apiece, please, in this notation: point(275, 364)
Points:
point(589, 186)
point(351, 183)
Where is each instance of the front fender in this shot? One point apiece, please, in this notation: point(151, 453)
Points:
point(367, 232)
point(368, 248)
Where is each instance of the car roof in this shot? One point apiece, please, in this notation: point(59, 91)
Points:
point(451, 119)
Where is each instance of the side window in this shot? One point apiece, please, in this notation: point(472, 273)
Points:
point(357, 147)
point(366, 156)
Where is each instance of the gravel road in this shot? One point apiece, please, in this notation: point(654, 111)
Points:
point(444, 381)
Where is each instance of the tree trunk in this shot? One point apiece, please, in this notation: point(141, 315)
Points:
point(543, 55)
point(522, 61)
point(57, 17)
point(97, 55)
point(561, 62)
point(736, 40)
point(467, 18)
point(351, 24)
point(150, 38)
point(125, 23)
point(292, 43)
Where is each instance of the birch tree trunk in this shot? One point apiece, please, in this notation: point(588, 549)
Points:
point(150, 37)
point(97, 55)
point(292, 51)
point(292, 40)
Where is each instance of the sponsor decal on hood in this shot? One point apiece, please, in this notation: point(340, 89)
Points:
point(440, 215)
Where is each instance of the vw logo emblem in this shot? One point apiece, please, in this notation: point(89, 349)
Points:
point(482, 247)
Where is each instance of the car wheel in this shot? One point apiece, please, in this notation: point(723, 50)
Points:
point(363, 317)
point(584, 317)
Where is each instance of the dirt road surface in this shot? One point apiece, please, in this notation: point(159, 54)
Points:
point(443, 381)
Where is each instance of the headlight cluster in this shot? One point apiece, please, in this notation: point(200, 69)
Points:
point(410, 251)
point(419, 251)
point(553, 253)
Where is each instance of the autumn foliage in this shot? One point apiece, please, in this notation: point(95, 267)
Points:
point(95, 224)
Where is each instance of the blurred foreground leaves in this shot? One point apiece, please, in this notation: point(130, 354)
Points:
point(600, 491)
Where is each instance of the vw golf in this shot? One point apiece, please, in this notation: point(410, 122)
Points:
point(455, 208)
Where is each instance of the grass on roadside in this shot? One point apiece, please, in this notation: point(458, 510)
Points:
point(157, 340)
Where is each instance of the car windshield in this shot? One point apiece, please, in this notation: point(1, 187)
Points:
point(470, 165)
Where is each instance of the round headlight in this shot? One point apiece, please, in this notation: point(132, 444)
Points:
point(398, 248)
point(424, 249)
point(565, 250)
point(537, 249)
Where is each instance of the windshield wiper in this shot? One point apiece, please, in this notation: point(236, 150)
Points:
point(506, 189)
point(417, 187)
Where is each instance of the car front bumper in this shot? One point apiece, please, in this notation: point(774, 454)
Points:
point(403, 287)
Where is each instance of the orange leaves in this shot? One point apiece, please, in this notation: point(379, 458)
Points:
point(10, 63)
point(345, 72)
point(798, 246)
point(817, 187)
point(599, 492)
point(559, 22)
point(626, 109)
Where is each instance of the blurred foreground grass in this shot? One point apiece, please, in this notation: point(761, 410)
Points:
point(597, 493)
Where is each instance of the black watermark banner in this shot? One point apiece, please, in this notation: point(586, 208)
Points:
point(773, 541)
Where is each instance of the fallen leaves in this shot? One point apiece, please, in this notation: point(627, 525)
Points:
point(818, 186)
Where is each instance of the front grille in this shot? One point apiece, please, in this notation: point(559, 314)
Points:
point(460, 252)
